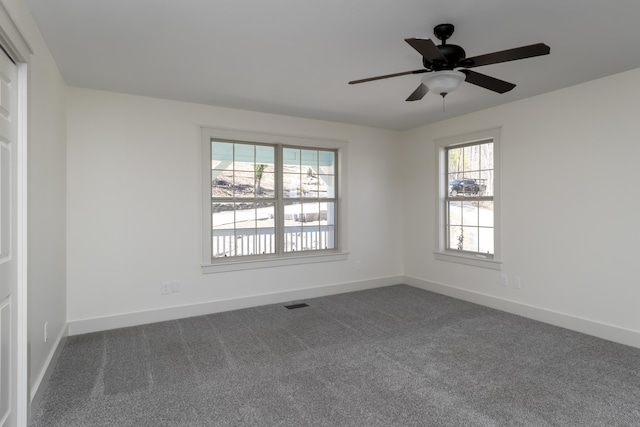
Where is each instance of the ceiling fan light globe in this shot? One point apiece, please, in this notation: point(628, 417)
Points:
point(443, 82)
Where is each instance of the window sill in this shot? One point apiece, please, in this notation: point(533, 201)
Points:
point(475, 261)
point(250, 264)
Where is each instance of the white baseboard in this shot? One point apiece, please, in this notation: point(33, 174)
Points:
point(40, 385)
point(579, 324)
point(83, 326)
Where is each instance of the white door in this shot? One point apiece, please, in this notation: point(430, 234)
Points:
point(8, 241)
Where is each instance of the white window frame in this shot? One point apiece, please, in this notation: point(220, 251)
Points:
point(209, 265)
point(441, 253)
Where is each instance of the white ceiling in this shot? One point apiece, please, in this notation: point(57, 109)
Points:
point(295, 57)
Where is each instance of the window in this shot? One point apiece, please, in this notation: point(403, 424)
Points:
point(268, 200)
point(309, 199)
point(467, 209)
point(243, 199)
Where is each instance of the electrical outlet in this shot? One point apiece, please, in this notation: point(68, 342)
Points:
point(46, 331)
point(516, 283)
point(175, 286)
point(165, 288)
point(504, 280)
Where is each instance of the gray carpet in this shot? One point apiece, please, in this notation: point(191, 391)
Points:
point(394, 356)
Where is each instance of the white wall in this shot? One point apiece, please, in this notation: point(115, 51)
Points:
point(570, 208)
point(134, 188)
point(46, 197)
point(568, 218)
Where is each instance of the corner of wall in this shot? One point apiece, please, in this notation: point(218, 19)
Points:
point(41, 383)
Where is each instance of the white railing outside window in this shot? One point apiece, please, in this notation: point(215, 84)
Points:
point(243, 242)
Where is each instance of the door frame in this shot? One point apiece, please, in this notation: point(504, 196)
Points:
point(17, 48)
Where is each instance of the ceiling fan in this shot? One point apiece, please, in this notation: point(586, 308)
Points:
point(440, 62)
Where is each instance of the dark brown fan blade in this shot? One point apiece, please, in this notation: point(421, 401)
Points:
point(419, 93)
point(506, 55)
point(386, 76)
point(488, 82)
point(427, 49)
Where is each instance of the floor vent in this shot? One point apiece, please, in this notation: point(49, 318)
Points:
point(292, 306)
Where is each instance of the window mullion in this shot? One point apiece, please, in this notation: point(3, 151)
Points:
point(279, 201)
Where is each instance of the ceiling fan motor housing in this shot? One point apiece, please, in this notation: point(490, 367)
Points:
point(453, 54)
